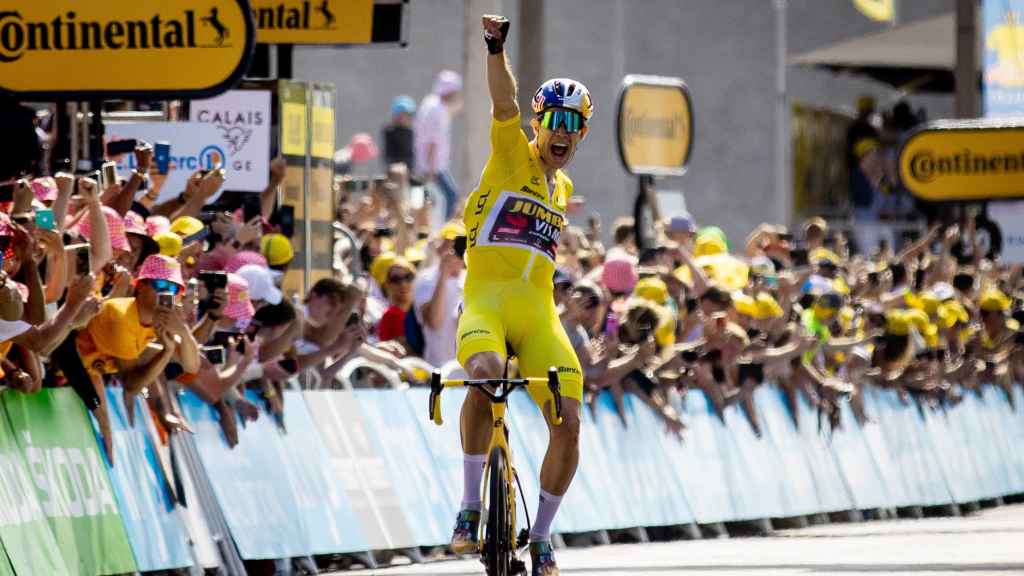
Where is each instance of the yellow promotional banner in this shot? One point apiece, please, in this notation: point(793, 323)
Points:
point(878, 10)
point(313, 21)
point(293, 118)
point(967, 160)
point(323, 124)
point(655, 125)
point(158, 49)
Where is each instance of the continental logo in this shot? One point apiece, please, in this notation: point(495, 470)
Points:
point(313, 21)
point(655, 125)
point(67, 32)
point(973, 160)
point(195, 47)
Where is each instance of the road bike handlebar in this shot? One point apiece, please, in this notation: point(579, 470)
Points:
point(502, 388)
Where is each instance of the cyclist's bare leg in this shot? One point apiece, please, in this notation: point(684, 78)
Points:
point(475, 426)
point(563, 450)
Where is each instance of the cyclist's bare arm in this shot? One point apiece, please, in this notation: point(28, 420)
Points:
point(500, 82)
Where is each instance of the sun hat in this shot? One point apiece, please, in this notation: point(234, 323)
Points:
point(380, 265)
point(709, 245)
point(238, 306)
point(115, 228)
point(993, 300)
point(44, 188)
point(245, 257)
point(277, 248)
point(653, 289)
point(452, 230)
point(447, 82)
point(169, 242)
point(261, 283)
point(157, 224)
point(619, 275)
point(161, 267)
point(187, 226)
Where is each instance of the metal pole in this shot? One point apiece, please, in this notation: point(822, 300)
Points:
point(783, 194)
point(966, 58)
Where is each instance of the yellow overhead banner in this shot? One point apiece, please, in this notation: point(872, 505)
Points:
point(655, 125)
point(877, 10)
point(124, 48)
point(970, 160)
point(313, 21)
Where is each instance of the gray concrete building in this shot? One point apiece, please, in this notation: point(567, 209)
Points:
point(726, 51)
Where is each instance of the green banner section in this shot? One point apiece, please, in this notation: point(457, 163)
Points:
point(24, 529)
point(5, 564)
point(73, 491)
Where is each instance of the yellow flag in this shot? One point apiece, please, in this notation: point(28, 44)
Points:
point(880, 10)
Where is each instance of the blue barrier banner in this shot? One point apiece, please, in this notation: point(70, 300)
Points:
point(398, 438)
point(998, 415)
point(1015, 428)
point(902, 490)
point(833, 489)
point(969, 418)
point(904, 437)
point(600, 472)
point(24, 530)
point(154, 529)
point(860, 470)
point(443, 442)
point(330, 522)
point(801, 492)
point(650, 433)
point(756, 473)
point(704, 472)
point(360, 468)
point(250, 483)
point(952, 457)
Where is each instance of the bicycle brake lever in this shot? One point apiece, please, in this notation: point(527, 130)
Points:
point(435, 397)
point(556, 393)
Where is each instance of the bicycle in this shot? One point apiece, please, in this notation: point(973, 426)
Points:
point(499, 548)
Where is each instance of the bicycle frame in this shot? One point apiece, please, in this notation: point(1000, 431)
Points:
point(502, 388)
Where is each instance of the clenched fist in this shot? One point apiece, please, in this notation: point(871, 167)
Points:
point(495, 32)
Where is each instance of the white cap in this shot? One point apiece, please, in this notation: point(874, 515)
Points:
point(261, 283)
point(447, 81)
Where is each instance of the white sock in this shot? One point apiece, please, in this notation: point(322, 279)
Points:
point(472, 476)
point(546, 509)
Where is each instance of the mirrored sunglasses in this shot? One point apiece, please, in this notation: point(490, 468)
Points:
point(570, 119)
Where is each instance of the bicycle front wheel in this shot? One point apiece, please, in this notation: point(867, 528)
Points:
point(498, 543)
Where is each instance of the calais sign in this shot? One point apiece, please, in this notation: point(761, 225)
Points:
point(655, 125)
point(242, 118)
point(313, 21)
point(156, 49)
point(968, 160)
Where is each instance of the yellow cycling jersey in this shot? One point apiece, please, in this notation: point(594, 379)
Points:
point(513, 219)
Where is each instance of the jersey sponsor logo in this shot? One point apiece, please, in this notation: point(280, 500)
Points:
point(568, 370)
point(532, 192)
point(479, 332)
point(481, 202)
point(524, 222)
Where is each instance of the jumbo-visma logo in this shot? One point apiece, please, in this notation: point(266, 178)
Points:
point(124, 47)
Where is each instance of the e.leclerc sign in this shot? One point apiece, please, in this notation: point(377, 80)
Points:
point(964, 160)
point(655, 125)
point(313, 21)
point(124, 48)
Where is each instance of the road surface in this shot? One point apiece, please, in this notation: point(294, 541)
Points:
point(989, 543)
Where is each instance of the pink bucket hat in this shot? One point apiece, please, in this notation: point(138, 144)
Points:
point(157, 224)
point(619, 275)
point(160, 267)
point(44, 189)
point(115, 227)
point(238, 306)
point(245, 257)
point(134, 223)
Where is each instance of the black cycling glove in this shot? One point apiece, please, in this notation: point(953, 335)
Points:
point(496, 44)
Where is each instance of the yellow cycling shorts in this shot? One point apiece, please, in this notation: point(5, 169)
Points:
point(524, 316)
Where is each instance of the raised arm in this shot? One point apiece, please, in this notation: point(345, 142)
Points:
point(499, 78)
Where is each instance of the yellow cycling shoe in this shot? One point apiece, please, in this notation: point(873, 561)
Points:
point(467, 529)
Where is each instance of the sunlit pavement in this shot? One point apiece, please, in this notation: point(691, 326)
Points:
point(989, 542)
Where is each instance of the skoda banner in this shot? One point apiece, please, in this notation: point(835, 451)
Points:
point(313, 21)
point(155, 49)
point(655, 125)
point(964, 160)
point(242, 120)
point(194, 146)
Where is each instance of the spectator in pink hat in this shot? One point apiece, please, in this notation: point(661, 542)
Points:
point(619, 276)
point(244, 258)
point(157, 224)
point(44, 189)
point(142, 244)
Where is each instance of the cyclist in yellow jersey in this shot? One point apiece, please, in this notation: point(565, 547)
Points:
point(513, 222)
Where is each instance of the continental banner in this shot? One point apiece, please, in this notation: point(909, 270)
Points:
point(70, 480)
point(155, 49)
point(967, 160)
point(655, 125)
point(313, 21)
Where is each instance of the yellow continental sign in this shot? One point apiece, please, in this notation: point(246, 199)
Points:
point(969, 160)
point(655, 125)
point(313, 21)
point(124, 48)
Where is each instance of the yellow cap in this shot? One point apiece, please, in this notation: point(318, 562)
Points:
point(897, 323)
point(767, 307)
point(708, 245)
point(417, 252)
point(952, 313)
point(841, 287)
point(169, 242)
point(653, 289)
point(744, 305)
point(186, 226)
point(993, 300)
point(684, 275)
point(452, 229)
point(277, 249)
point(381, 264)
point(930, 303)
point(819, 254)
